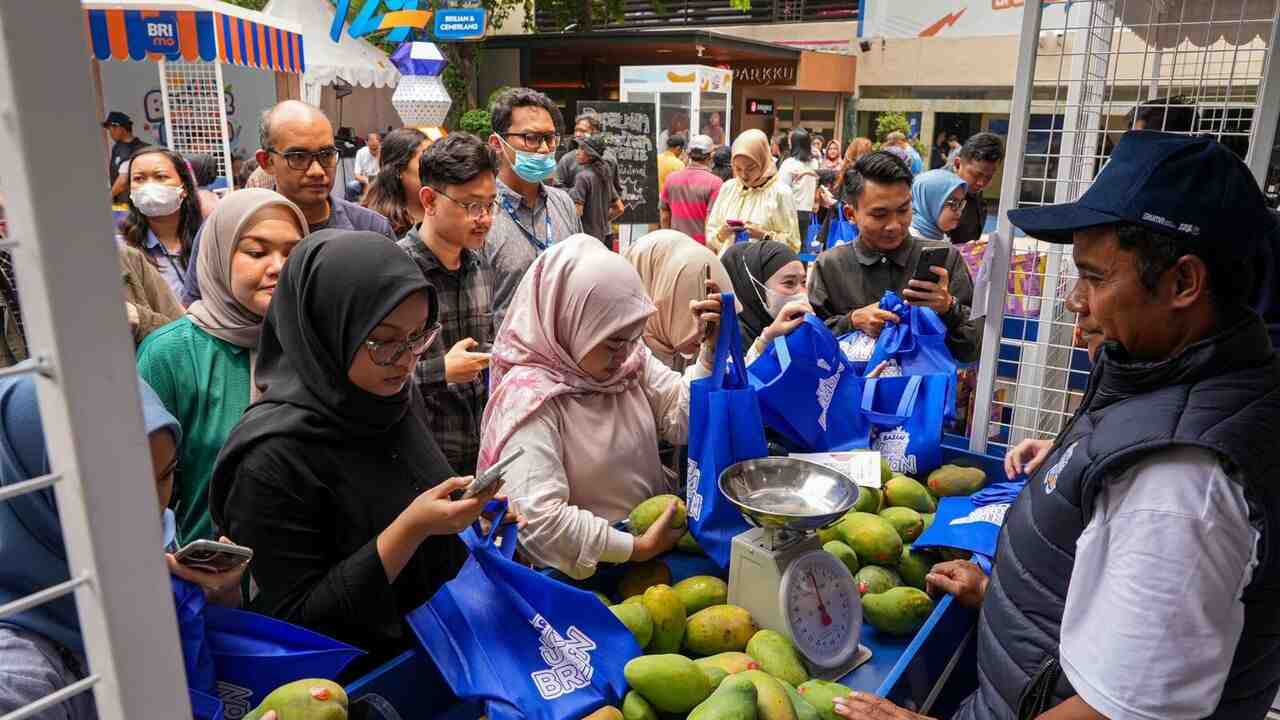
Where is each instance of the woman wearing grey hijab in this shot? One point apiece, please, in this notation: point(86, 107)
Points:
point(201, 365)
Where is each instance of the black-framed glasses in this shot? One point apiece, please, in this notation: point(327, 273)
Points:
point(535, 140)
point(301, 159)
point(385, 353)
point(957, 205)
point(475, 210)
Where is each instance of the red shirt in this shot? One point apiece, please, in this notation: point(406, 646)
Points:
point(689, 194)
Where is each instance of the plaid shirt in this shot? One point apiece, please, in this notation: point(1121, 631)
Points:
point(466, 311)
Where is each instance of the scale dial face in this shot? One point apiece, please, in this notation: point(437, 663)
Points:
point(821, 608)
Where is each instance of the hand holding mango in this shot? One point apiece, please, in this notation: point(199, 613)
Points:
point(659, 522)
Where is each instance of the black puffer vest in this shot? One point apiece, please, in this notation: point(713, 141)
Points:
point(1222, 394)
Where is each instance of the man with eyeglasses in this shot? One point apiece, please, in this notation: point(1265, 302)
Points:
point(298, 150)
point(459, 200)
point(531, 215)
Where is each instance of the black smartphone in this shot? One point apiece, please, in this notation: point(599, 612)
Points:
point(931, 257)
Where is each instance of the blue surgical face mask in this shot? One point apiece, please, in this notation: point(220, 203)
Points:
point(532, 167)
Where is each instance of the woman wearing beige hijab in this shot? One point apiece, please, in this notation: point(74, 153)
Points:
point(575, 387)
point(754, 197)
point(673, 269)
point(201, 365)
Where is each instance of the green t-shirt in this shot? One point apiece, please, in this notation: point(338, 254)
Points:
point(204, 382)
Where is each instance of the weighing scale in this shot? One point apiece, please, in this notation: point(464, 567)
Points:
point(778, 570)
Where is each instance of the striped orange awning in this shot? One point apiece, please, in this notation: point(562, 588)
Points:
point(118, 34)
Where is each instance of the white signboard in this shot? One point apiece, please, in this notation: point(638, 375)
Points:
point(960, 18)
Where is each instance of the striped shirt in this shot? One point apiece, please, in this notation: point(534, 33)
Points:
point(689, 194)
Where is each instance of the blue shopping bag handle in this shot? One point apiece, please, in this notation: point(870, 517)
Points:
point(475, 537)
point(906, 404)
point(729, 346)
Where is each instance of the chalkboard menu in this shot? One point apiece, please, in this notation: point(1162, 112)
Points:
point(628, 131)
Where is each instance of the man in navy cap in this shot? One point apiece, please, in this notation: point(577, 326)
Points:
point(1138, 572)
point(120, 128)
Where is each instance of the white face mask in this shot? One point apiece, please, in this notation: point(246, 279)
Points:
point(155, 199)
point(776, 300)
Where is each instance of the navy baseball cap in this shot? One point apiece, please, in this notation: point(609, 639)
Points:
point(115, 117)
point(1190, 187)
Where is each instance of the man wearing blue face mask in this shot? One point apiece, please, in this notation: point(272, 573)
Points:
point(531, 216)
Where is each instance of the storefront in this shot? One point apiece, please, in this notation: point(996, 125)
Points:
point(790, 87)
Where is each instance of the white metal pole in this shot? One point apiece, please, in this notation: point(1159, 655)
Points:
point(222, 125)
point(70, 280)
point(1262, 139)
point(1001, 249)
point(162, 68)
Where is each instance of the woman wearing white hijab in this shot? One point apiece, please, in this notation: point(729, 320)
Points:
point(201, 365)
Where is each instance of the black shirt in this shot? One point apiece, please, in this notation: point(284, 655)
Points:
point(972, 221)
point(312, 513)
point(121, 152)
point(591, 191)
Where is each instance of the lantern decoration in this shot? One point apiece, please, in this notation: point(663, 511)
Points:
point(420, 97)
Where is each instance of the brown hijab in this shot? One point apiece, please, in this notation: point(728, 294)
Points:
point(755, 145)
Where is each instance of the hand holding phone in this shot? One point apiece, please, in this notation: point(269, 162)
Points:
point(213, 557)
point(929, 258)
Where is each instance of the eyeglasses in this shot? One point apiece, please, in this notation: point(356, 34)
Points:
point(534, 140)
point(301, 159)
point(385, 353)
point(475, 210)
point(957, 205)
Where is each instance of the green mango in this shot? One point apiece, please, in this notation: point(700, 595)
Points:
point(735, 699)
point(915, 565)
point(828, 533)
point(843, 553)
point(928, 520)
point(952, 480)
point(869, 500)
point(714, 674)
point(635, 707)
point(886, 472)
point(802, 708)
point(637, 620)
point(642, 576)
point(647, 513)
point(821, 694)
point(688, 544)
point(777, 656)
point(608, 712)
point(875, 541)
point(772, 702)
point(304, 700)
point(671, 683)
point(717, 629)
point(667, 611)
point(906, 521)
point(876, 579)
point(898, 611)
point(902, 491)
point(701, 592)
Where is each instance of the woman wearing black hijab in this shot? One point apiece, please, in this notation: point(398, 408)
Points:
point(332, 477)
point(767, 276)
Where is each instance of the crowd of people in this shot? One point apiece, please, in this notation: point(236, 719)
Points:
point(332, 372)
point(322, 377)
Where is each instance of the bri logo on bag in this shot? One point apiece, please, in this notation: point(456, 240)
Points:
point(993, 514)
point(693, 499)
point(892, 445)
point(827, 392)
point(236, 701)
point(1051, 477)
point(568, 662)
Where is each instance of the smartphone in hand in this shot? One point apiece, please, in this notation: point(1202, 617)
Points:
point(213, 557)
point(491, 475)
point(929, 258)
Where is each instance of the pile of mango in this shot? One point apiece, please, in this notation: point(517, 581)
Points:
point(874, 541)
point(708, 660)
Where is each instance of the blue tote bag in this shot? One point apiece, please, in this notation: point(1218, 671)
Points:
point(809, 392)
point(917, 345)
point(813, 235)
point(725, 427)
point(841, 231)
point(905, 413)
point(527, 645)
point(254, 654)
point(971, 522)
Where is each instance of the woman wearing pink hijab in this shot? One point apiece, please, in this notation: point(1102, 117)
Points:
point(574, 385)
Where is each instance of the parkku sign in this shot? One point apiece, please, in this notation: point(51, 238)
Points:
point(768, 73)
